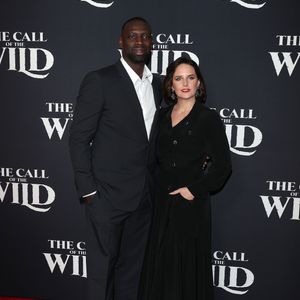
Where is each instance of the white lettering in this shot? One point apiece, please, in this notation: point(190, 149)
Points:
point(287, 61)
point(60, 129)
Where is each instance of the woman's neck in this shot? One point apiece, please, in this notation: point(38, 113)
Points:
point(184, 105)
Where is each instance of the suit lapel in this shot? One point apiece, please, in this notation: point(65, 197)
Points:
point(132, 98)
point(156, 89)
point(157, 99)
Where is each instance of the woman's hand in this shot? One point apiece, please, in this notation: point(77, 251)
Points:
point(184, 192)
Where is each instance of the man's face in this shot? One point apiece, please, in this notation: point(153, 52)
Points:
point(136, 42)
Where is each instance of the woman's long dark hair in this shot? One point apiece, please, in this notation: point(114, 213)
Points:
point(200, 96)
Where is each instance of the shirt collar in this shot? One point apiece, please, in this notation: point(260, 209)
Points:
point(135, 77)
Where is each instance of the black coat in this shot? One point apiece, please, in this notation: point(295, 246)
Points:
point(109, 148)
point(181, 155)
point(178, 260)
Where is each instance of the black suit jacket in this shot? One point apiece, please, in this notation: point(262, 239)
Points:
point(109, 147)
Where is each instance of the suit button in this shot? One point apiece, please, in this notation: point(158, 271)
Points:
point(175, 142)
point(174, 164)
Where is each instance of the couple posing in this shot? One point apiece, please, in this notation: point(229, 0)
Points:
point(141, 173)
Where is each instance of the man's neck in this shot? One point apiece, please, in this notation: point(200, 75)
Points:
point(138, 68)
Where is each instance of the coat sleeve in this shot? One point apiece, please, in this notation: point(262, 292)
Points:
point(218, 150)
point(87, 114)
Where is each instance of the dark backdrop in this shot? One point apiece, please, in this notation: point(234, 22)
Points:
point(248, 52)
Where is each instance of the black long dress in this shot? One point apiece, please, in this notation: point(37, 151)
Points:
point(178, 257)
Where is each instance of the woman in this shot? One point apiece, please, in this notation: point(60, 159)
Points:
point(193, 161)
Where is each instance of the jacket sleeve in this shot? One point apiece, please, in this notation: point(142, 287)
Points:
point(218, 150)
point(87, 114)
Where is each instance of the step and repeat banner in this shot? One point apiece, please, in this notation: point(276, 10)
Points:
point(248, 52)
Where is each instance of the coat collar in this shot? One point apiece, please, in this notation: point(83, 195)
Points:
point(198, 106)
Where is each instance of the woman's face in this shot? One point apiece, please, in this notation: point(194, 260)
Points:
point(185, 82)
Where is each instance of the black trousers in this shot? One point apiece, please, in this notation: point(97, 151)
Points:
point(116, 242)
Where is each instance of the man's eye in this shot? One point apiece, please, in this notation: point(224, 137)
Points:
point(146, 36)
point(132, 36)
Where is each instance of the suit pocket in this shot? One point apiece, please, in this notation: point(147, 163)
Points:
point(91, 199)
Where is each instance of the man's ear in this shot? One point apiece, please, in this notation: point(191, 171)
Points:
point(120, 42)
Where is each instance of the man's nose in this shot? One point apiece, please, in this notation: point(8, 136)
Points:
point(139, 40)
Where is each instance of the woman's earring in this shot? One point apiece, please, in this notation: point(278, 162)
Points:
point(198, 93)
point(173, 95)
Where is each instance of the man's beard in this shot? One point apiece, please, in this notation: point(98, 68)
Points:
point(142, 59)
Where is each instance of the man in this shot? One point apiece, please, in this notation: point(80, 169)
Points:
point(112, 150)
